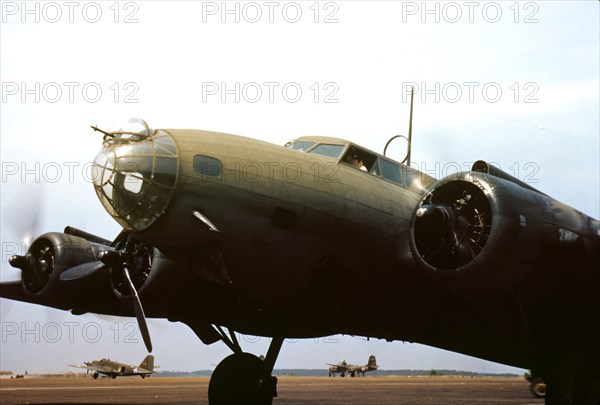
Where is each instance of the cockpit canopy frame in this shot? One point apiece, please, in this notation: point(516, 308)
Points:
point(135, 175)
point(358, 157)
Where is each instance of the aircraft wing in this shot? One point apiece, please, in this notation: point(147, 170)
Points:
point(91, 368)
point(336, 367)
point(341, 368)
point(13, 290)
point(96, 300)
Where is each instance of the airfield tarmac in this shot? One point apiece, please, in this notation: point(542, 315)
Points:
point(292, 390)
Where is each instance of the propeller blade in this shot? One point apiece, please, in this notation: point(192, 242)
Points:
point(22, 213)
point(21, 220)
point(139, 311)
point(82, 270)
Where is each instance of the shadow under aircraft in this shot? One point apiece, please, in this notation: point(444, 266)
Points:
point(230, 234)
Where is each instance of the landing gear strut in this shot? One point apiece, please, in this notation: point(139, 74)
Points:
point(243, 378)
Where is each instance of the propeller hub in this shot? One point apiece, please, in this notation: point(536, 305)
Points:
point(21, 262)
point(111, 257)
point(37, 266)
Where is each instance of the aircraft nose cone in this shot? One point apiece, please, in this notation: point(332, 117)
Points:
point(135, 176)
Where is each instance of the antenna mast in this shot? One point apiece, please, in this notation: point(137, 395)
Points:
point(409, 139)
point(412, 95)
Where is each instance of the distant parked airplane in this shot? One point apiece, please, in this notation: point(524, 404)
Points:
point(114, 368)
point(353, 370)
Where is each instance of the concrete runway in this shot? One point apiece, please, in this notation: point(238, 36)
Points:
point(292, 390)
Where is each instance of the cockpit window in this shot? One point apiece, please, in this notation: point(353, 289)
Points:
point(301, 146)
point(362, 160)
point(375, 169)
point(135, 175)
point(390, 171)
point(328, 150)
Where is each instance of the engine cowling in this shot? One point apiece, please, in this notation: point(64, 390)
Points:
point(50, 255)
point(489, 237)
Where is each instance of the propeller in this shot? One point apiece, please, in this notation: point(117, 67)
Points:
point(139, 311)
point(22, 213)
point(120, 260)
point(21, 218)
point(37, 266)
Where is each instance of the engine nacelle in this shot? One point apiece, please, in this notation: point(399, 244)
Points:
point(148, 268)
point(96, 285)
point(48, 256)
point(492, 238)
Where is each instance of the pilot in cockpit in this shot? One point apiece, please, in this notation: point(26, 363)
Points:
point(353, 159)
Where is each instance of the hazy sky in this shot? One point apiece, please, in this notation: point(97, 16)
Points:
point(515, 83)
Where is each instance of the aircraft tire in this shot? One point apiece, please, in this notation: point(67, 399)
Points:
point(537, 386)
point(95, 376)
point(237, 380)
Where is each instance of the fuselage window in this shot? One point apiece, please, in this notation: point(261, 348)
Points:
point(301, 146)
point(328, 150)
point(390, 171)
point(207, 166)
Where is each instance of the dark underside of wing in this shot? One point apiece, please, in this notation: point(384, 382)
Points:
point(13, 290)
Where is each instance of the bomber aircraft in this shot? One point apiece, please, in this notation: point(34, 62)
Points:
point(114, 369)
point(230, 234)
point(352, 370)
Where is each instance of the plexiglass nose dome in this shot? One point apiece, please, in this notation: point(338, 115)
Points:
point(135, 174)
